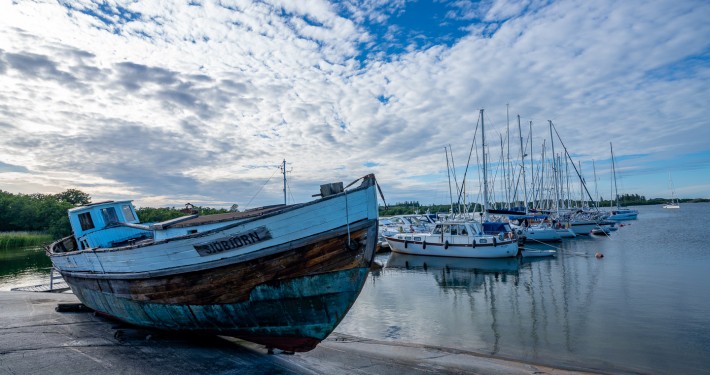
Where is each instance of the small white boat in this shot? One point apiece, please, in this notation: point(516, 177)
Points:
point(623, 214)
point(565, 233)
point(537, 253)
point(674, 202)
point(540, 232)
point(600, 231)
point(457, 238)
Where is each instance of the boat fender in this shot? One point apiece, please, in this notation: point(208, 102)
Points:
point(352, 245)
point(406, 244)
point(473, 243)
point(424, 244)
point(446, 244)
point(494, 242)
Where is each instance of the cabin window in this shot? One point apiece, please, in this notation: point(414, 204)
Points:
point(127, 212)
point(454, 230)
point(85, 221)
point(109, 215)
point(192, 231)
point(437, 230)
point(447, 229)
point(462, 230)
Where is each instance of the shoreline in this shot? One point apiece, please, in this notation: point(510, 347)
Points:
point(36, 338)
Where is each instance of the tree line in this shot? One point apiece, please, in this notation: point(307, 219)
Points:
point(47, 213)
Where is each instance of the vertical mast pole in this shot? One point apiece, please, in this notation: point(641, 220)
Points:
point(554, 170)
point(532, 168)
point(485, 167)
point(448, 173)
point(522, 164)
point(613, 169)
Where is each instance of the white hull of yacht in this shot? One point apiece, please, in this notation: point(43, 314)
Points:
point(542, 234)
point(582, 227)
point(470, 249)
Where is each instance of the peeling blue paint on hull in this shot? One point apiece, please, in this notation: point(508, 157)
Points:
point(294, 314)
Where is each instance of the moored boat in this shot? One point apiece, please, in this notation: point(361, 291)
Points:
point(283, 276)
point(537, 253)
point(456, 238)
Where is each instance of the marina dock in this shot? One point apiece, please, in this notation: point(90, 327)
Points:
point(36, 338)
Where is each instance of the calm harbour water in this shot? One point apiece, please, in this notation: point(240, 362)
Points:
point(643, 308)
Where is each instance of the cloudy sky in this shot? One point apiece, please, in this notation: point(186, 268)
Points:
point(199, 101)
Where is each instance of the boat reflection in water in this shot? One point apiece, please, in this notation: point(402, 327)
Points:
point(463, 273)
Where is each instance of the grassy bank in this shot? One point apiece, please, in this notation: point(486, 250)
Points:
point(23, 239)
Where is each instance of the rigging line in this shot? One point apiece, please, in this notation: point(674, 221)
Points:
point(258, 191)
point(475, 132)
point(570, 158)
point(543, 243)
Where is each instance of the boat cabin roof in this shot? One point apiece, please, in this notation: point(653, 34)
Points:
point(96, 216)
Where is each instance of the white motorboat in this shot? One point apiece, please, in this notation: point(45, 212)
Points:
point(456, 238)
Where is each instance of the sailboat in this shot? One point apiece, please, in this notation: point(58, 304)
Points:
point(620, 213)
point(540, 232)
point(674, 201)
point(461, 238)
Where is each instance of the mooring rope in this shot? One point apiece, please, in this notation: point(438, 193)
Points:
point(544, 243)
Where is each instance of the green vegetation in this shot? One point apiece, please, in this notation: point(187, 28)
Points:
point(46, 213)
point(23, 239)
point(34, 219)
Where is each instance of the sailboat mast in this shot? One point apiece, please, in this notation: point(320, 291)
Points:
point(596, 191)
point(554, 170)
point(509, 171)
point(485, 173)
point(532, 168)
point(522, 164)
point(613, 170)
point(448, 173)
point(581, 185)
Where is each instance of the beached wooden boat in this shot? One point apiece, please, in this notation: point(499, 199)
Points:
point(281, 276)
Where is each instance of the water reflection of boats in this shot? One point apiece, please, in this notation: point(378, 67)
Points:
point(466, 273)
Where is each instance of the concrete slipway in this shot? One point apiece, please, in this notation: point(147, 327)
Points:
point(36, 339)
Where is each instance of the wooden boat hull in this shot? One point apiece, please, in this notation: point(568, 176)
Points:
point(289, 300)
point(284, 279)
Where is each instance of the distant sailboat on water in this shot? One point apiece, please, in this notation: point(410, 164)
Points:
point(674, 201)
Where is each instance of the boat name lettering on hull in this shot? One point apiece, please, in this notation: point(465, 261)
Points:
point(233, 242)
